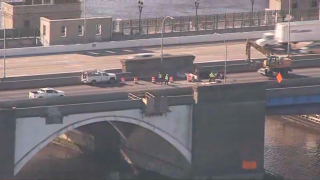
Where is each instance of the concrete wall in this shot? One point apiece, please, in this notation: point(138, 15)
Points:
point(32, 134)
point(7, 143)
point(18, 14)
point(228, 128)
point(51, 30)
point(130, 43)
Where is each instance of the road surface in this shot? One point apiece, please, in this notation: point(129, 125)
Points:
point(129, 86)
point(107, 59)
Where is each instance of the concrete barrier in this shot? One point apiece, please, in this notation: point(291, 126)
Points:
point(48, 82)
point(129, 44)
point(88, 98)
point(294, 91)
point(294, 83)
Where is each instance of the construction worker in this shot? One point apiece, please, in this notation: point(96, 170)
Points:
point(166, 79)
point(160, 77)
point(211, 77)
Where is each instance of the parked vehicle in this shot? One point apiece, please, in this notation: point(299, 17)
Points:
point(97, 76)
point(46, 93)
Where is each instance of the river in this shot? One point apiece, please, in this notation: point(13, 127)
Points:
point(128, 9)
point(291, 151)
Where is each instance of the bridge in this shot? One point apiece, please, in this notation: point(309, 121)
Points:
point(197, 130)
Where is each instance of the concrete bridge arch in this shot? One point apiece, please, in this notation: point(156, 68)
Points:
point(147, 123)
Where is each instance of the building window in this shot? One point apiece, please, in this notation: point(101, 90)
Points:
point(44, 30)
point(295, 4)
point(27, 23)
point(314, 3)
point(63, 31)
point(81, 30)
point(98, 29)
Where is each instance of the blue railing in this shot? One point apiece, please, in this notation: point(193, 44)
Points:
point(297, 100)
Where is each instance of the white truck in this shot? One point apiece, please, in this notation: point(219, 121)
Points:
point(97, 76)
point(301, 31)
point(46, 93)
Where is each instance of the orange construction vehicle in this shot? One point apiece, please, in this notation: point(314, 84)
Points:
point(273, 64)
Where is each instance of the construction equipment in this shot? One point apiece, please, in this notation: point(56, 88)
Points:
point(273, 64)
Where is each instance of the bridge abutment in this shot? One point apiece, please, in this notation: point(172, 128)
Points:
point(7, 143)
point(228, 130)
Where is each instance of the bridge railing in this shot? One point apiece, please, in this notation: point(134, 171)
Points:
point(212, 22)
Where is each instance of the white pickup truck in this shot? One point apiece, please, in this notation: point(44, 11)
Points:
point(97, 76)
point(46, 93)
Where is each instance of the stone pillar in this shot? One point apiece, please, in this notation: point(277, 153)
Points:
point(52, 1)
point(228, 130)
point(7, 143)
point(32, 2)
point(42, 1)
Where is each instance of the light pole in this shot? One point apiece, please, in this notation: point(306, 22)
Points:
point(140, 6)
point(162, 29)
point(197, 3)
point(226, 56)
point(289, 28)
point(85, 22)
point(4, 43)
point(252, 3)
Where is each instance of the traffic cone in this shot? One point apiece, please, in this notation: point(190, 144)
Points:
point(189, 78)
point(135, 80)
point(123, 79)
point(153, 79)
point(171, 79)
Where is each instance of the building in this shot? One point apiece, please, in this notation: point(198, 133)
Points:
point(27, 14)
point(72, 31)
point(296, 4)
point(301, 9)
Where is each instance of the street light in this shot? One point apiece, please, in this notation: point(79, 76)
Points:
point(252, 3)
point(4, 43)
point(226, 56)
point(85, 22)
point(289, 28)
point(162, 29)
point(197, 3)
point(140, 6)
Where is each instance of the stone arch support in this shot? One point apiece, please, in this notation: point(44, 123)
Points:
point(32, 134)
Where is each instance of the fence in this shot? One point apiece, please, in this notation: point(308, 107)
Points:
point(188, 23)
point(19, 33)
point(212, 22)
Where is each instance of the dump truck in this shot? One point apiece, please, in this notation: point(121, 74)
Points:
point(273, 64)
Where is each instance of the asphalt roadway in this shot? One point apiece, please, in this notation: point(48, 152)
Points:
point(143, 85)
point(109, 59)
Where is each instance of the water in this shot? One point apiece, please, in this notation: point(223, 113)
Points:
point(290, 151)
point(128, 9)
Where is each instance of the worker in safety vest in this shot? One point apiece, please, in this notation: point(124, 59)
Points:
point(166, 79)
point(160, 77)
point(211, 77)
